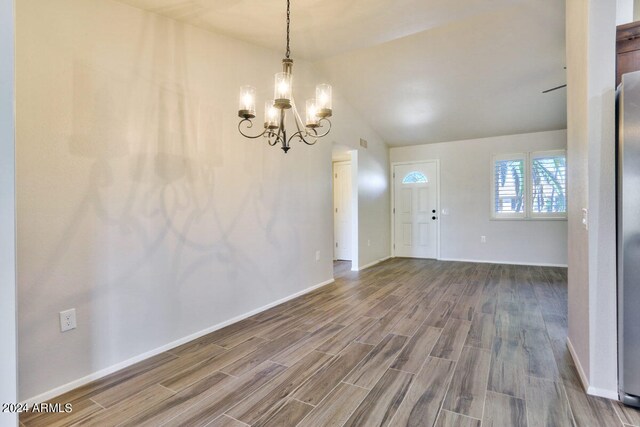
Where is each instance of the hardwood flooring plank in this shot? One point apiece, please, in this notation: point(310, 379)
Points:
point(590, 410)
point(292, 354)
point(507, 373)
point(225, 421)
point(451, 419)
point(468, 386)
point(263, 353)
point(422, 403)
point(327, 377)
point(414, 317)
point(451, 341)
point(128, 408)
point(381, 404)
point(547, 404)
point(82, 409)
point(193, 374)
point(98, 386)
point(482, 331)
point(179, 402)
point(343, 338)
point(270, 398)
point(132, 386)
point(288, 416)
point(501, 410)
point(415, 353)
point(367, 373)
point(538, 356)
point(381, 328)
point(442, 310)
point(338, 406)
point(208, 406)
point(380, 309)
point(628, 415)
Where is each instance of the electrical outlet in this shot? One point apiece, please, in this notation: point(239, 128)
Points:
point(368, 242)
point(483, 239)
point(67, 320)
point(317, 255)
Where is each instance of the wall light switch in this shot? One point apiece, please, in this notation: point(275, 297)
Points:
point(585, 218)
point(483, 239)
point(445, 211)
point(317, 255)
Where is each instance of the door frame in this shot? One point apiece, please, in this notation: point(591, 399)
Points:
point(393, 198)
point(351, 201)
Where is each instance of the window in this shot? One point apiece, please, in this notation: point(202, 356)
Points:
point(529, 185)
point(415, 178)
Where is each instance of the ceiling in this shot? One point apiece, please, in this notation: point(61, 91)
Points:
point(418, 71)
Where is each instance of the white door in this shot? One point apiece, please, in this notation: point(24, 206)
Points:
point(415, 210)
point(342, 210)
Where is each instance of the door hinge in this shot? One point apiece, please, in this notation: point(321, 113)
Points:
point(336, 210)
point(394, 174)
point(336, 244)
point(336, 175)
point(394, 210)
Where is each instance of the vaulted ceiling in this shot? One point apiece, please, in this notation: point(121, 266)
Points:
point(419, 71)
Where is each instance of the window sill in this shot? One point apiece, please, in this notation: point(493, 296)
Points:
point(551, 218)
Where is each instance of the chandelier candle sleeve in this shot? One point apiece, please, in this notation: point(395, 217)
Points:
point(323, 100)
point(247, 108)
point(270, 115)
point(282, 92)
point(312, 114)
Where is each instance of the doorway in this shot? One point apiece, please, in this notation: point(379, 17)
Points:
point(416, 194)
point(342, 212)
point(345, 204)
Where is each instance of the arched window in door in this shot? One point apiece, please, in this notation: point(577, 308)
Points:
point(415, 178)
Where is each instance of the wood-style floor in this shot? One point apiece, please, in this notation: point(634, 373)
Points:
point(405, 343)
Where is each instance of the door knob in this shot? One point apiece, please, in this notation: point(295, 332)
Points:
point(433, 211)
point(434, 217)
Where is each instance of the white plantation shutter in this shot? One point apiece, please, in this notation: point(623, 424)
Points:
point(509, 186)
point(548, 184)
point(529, 185)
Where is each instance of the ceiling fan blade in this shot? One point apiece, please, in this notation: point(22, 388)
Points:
point(554, 88)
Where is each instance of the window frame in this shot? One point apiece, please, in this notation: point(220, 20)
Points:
point(505, 157)
point(546, 215)
point(527, 214)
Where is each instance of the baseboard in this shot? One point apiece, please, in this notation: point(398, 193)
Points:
point(576, 361)
point(44, 397)
point(371, 264)
point(601, 392)
point(536, 264)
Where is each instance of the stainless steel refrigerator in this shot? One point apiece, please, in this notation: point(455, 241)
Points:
point(628, 229)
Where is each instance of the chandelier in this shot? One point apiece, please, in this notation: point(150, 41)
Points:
point(318, 110)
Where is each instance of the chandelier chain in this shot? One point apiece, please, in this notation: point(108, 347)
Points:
point(288, 53)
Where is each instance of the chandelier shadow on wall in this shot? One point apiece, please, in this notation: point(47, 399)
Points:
point(318, 110)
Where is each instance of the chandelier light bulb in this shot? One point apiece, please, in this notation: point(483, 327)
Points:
point(282, 93)
point(323, 97)
point(270, 115)
point(312, 113)
point(247, 107)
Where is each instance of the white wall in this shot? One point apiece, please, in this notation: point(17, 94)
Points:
point(8, 331)
point(138, 202)
point(465, 189)
point(577, 178)
point(592, 275)
point(625, 11)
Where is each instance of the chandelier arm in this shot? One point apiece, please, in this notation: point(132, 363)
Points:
point(249, 126)
point(326, 132)
point(300, 135)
